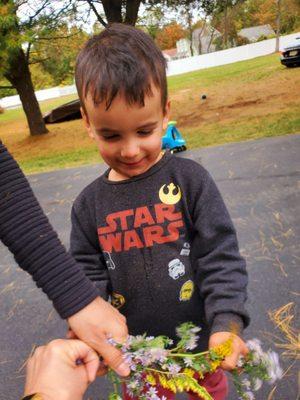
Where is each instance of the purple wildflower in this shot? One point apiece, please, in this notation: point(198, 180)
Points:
point(174, 368)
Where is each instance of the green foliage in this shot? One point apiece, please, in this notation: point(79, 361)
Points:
point(10, 39)
point(58, 56)
point(151, 365)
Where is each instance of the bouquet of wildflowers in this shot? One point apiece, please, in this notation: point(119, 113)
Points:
point(153, 361)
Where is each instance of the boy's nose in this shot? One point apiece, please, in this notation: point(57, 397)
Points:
point(130, 150)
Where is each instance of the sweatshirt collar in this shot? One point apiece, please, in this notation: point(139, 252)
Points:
point(156, 167)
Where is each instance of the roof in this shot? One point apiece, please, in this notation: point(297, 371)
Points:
point(206, 31)
point(255, 32)
point(170, 52)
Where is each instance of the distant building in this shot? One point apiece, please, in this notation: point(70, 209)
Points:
point(184, 48)
point(170, 54)
point(202, 39)
point(255, 32)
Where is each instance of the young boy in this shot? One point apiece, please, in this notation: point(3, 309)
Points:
point(153, 232)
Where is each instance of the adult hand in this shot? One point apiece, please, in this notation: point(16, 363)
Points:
point(94, 324)
point(239, 348)
point(61, 370)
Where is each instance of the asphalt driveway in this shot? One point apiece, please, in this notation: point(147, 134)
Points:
point(260, 182)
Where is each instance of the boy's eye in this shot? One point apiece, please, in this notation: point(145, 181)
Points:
point(111, 137)
point(145, 133)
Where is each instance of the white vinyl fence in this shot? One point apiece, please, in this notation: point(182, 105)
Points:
point(228, 56)
point(177, 67)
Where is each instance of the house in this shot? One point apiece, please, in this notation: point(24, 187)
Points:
point(255, 32)
point(184, 48)
point(203, 39)
point(202, 42)
point(170, 54)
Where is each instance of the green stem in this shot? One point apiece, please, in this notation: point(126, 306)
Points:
point(162, 372)
point(114, 382)
point(189, 355)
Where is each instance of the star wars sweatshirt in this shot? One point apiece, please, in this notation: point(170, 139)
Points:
point(162, 247)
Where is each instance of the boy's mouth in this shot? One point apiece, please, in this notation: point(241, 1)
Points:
point(132, 164)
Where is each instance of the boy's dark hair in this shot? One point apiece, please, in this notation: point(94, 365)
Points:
point(121, 59)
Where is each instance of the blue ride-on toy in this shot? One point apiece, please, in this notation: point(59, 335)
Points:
point(173, 140)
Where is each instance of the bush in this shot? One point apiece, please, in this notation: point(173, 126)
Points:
point(241, 41)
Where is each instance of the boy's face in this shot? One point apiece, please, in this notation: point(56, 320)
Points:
point(128, 136)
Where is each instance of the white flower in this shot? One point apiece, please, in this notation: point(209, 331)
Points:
point(246, 383)
point(254, 345)
point(240, 362)
point(188, 362)
point(257, 384)
point(250, 395)
point(273, 367)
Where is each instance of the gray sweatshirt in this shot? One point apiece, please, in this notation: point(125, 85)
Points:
point(162, 247)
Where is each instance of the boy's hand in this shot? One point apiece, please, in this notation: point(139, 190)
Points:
point(239, 348)
point(94, 324)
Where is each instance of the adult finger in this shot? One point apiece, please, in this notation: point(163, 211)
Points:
point(113, 357)
point(88, 356)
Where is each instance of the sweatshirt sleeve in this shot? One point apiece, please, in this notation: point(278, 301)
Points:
point(84, 246)
point(27, 233)
point(220, 269)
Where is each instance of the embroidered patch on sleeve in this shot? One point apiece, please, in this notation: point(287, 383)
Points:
point(186, 291)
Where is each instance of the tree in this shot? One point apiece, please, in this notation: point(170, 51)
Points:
point(122, 11)
point(266, 12)
point(167, 37)
point(18, 37)
point(278, 25)
point(126, 11)
point(58, 56)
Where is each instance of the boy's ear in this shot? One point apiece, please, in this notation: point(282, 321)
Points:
point(166, 115)
point(87, 123)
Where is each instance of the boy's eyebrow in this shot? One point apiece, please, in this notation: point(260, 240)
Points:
point(148, 125)
point(109, 130)
point(106, 130)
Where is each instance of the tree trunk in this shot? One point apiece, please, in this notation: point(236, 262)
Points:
point(278, 18)
point(225, 37)
point(19, 76)
point(211, 39)
point(113, 10)
point(132, 9)
point(200, 37)
point(190, 29)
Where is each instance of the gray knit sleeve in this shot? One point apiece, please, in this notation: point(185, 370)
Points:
point(26, 231)
point(220, 269)
point(84, 246)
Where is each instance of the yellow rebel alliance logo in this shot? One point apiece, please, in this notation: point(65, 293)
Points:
point(186, 291)
point(170, 196)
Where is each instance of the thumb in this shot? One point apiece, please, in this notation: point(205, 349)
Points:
point(88, 356)
point(113, 357)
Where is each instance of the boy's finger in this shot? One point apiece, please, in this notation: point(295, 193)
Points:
point(244, 350)
point(230, 362)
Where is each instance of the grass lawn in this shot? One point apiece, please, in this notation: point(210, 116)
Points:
point(245, 100)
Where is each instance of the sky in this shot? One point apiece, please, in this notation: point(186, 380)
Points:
point(29, 8)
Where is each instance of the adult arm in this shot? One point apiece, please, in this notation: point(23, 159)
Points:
point(26, 231)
